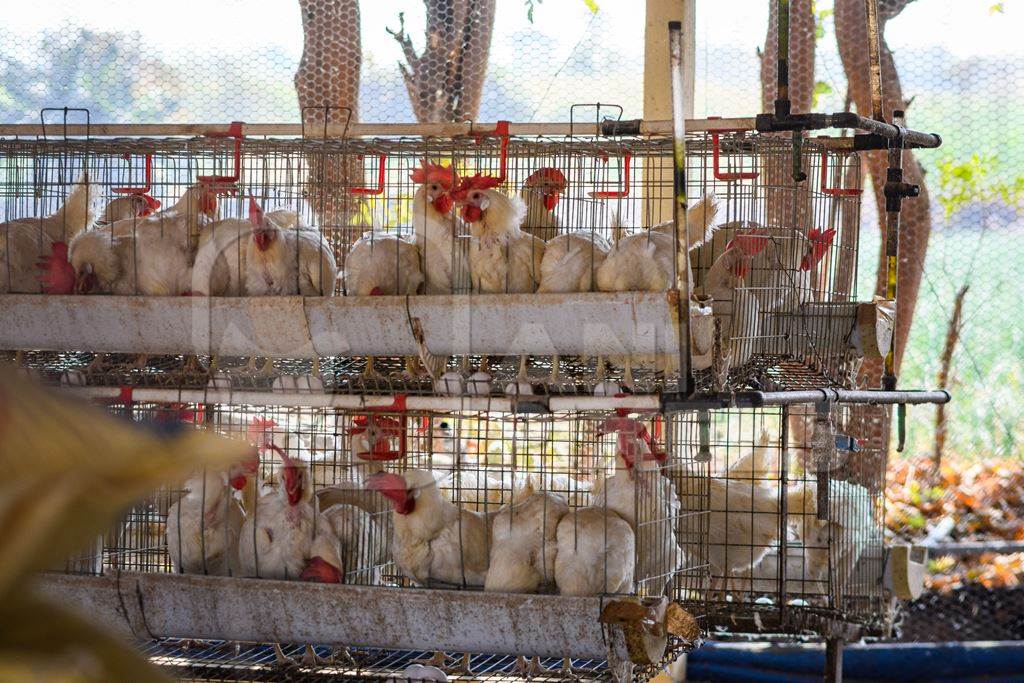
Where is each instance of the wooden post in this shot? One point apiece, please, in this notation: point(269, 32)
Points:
point(657, 94)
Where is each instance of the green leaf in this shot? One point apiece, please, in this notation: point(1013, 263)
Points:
point(592, 6)
point(820, 88)
point(997, 8)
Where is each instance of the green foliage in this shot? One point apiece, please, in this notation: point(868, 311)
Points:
point(997, 8)
point(974, 180)
point(820, 18)
point(532, 5)
point(820, 88)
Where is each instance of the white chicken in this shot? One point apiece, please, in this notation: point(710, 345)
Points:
point(737, 307)
point(541, 192)
point(270, 254)
point(349, 547)
point(25, 240)
point(832, 546)
point(152, 256)
point(276, 538)
point(502, 258)
point(434, 540)
point(595, 553)
point(571, 261)
point(646, 261)
point(645, 499)
point(742, 521)
point(524, 543)
point(128, 207)
point(780, 275)
point(383, 264)
point(760, 464)
point(436, 226)
point(203, 525)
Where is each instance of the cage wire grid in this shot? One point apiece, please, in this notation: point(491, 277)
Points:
point(354, 191)
point(710, 522)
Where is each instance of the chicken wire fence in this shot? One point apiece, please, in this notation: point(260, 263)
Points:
point(698, 505)
point(193, 217)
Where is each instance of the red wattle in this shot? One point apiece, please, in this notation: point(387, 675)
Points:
point(551, 200)
point(319, 570)
point(238, 482)
point(443, 203)
point(471, 213)
point(376, 291)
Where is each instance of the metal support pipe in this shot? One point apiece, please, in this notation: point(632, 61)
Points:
point(895, 191)
point(683, 279)
point(756, 399)
point(834, 660)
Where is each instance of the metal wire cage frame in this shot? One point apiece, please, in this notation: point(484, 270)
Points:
point(789, 323)
point(727, 494)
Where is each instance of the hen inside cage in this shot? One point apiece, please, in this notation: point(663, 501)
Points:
point(755, 520)
point(773, 263)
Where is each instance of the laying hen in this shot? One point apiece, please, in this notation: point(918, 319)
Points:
point(271, 254)
point(152, 256)
point(780, 274)
point(737, 307)
point(524, 543)
point(204, 524)
point(832, 546)
point(645, 499)
point(571, 261)
point(434, 540)
point(541, 192)
point(742, 524)
point(645, 261)
point(25, 240)
point(349, 547)
point(436, 226)
point(275, 539)
point(595, 553)
point(502, 258)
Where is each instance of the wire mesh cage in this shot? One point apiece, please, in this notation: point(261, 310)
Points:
point(701, 506)
point(572, 214)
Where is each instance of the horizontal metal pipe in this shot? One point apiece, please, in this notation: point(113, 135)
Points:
point(973, 547)
point(911, 137)
point(779, 398)
point(259, 610)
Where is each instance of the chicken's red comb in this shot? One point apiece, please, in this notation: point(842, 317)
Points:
point(548, 175)
point(151, 205)
point(444, 176)
point(255, 212)
point(820, 242)
point(751, 243)
point(475, 182)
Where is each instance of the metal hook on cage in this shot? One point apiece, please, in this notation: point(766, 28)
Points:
point(152, 204)
point(234, 130)
point(381, 173)
point(597, 115)
point(798, 157)
point(716, 157)
point(627, 164)
point(64, 123)
point(327, 118)
point(704, 436)
point(834, 191)
point(501, 131)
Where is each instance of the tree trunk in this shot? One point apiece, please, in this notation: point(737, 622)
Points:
point(852, 37)
point(801, 56)
point(445, 82)
point(777, 170)
point(851, 34)
point(327, 85)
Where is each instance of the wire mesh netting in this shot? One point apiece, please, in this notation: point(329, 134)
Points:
point(961, 65)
